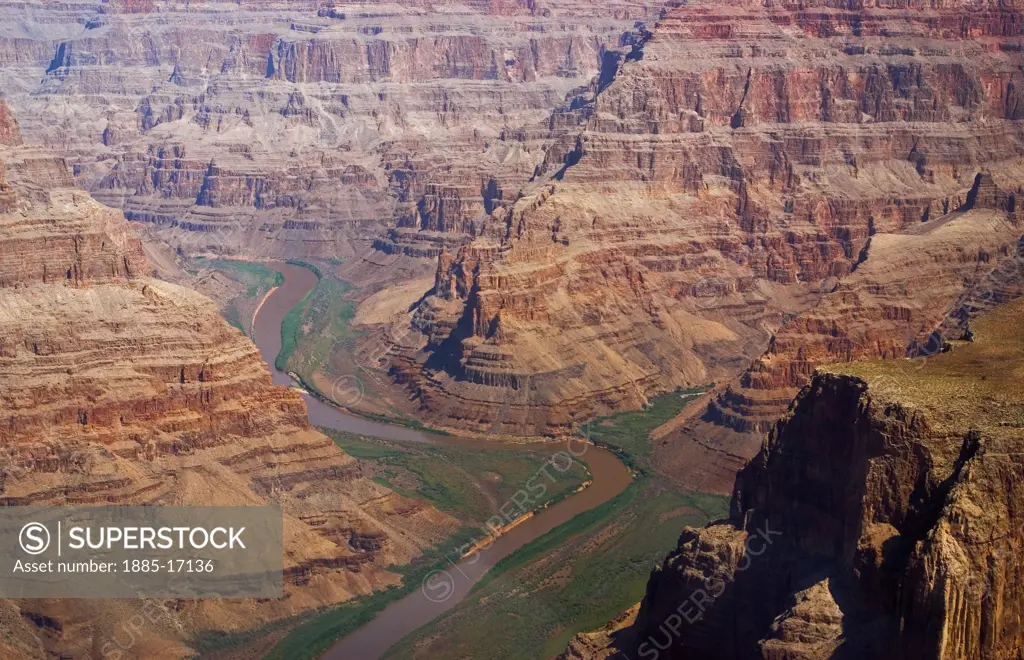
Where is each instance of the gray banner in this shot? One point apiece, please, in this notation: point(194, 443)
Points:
point(141, 552)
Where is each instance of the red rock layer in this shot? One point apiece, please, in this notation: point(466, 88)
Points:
point(121, 389)
point(303, 127)
point(730, 171)
point(10, 135)
point(904, 288)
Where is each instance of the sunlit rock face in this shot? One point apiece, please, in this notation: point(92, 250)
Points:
point(306, 127)
point(117, 388)
point(743, 164)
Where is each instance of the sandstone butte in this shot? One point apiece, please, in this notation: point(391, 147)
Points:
point(890, 492)
point(121, 389)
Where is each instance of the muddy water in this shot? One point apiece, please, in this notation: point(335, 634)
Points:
point(442, 590)
point(267, 332)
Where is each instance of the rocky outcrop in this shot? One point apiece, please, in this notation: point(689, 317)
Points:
point(733, 171)
point(909, 294)
point(880, 519)
point(121, 389)
point(599, 645)
point(303, 128)
point(71, 240)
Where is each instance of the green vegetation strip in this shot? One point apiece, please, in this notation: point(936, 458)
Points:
point(626, 433)
point(290, 331)
point(312, 634)
point(327, 316)
point(307, 266)
point(575, 578)
point(319, 327)
point(470, 484)
point(292, 322)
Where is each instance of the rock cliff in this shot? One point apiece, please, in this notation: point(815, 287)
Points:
point(738, 167)
point(121, 389)
point(303, 128)
point(902, 290)
point(10, 134)
point(880, 519)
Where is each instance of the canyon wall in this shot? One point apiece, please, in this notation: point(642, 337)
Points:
point(302, 128)
point(614, 207)
point(743, 165)
point(905, 287)
point(121, 389)
point(881, 518)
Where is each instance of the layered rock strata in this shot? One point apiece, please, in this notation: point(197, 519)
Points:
point(121, 389)
point(880, 519)
point(909, 295)
point(903, 290)
point(735, 169)
point(303, 128)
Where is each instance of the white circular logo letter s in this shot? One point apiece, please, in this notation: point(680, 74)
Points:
point(34, 538)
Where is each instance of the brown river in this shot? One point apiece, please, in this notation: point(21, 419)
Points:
point(442, 590)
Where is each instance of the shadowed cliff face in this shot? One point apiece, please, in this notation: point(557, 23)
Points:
point(880, 519)
point(120, 389)
point(743, 166)
point(303, 127)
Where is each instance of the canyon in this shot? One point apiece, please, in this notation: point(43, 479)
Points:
point(118, 388)
point(613, 199)
point(549, 211)
point(302, 128)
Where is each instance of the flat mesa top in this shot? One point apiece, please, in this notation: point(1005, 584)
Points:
point(978, 384)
